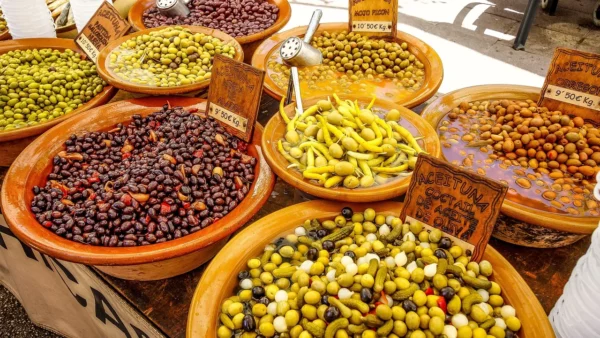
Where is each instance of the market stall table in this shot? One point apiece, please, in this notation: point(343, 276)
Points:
point(165, 303)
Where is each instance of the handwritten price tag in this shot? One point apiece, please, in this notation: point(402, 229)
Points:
point(371, 26)
point(104, 26)
point(374, 17)
point(229, 118)
point(234, 95)
point(460, 203)
point(573, 84)
point(573, 97)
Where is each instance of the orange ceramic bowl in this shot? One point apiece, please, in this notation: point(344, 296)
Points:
point(110, 77)
point(249, 43)
point(434, 71)
point(13, 142)
point(156, 261)
point(220, 278)
point(275, 131)
point(537, 227)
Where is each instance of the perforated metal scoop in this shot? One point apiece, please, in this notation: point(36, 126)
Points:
point(173, 7)
point(298, 52)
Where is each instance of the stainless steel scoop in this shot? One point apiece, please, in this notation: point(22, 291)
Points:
point(173, 7)
point(298, 52)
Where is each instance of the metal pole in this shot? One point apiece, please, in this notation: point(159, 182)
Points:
point(526, 24)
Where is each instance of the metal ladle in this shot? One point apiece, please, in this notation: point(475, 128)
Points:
point(173, 7)
point(298, 52)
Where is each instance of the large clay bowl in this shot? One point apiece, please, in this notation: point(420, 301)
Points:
point(13, 142)
point(275, 130)
point(116, 81)
point(220, 278)
point(149, 262)
point(524, 222)
point(434, 71)
point(249, 43)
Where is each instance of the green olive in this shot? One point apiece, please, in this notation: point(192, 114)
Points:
point(344, 168)
point(335, 150)
point(392, 115)
point(351, 182)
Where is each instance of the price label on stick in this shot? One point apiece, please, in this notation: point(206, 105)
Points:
point(462, 204)
point(104, 26)
point(573, 84)
point(234, 95)
point(374, 17)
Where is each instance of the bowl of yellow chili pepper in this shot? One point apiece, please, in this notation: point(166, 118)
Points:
point(353, 151)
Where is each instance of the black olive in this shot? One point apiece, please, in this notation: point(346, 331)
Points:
point(439, 253)
point(313, 234)
point(264, 300)
point(448, 318)
point(329, 246)
point(445, 243)
point(350, 254)
point(312, 254)
point(469, 253)
point(447, 292)
point(325, 299)
point(332, 313)
point(409, 305)
point(258, 292)
point(248, 323)
point(508, 334)
point(322, 233)
point(243, 274)
point(366, 295)
point(347, 212)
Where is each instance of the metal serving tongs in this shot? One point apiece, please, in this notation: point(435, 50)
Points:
point(298, 52)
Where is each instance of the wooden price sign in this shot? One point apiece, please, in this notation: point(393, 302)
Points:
point(573, 83)
point(460, 203)
point(374, 17)
point(234, 95)
point(104, 26)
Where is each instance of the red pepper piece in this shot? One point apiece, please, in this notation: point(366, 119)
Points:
point(193, 110)
point(429, 291)
point(92, 196)
point(198, 153)
point(441, 302)
point(47, 224)
point(126, 198)
point(165, 208)
point(383, 298)
point(126, 156)
point(186, 205)
point(93, 179)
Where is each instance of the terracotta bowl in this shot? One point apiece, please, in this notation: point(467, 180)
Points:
point(524, 221)
point(220, 278)
point(151, 262)
point(249, 43)
point(275, 130)
point(116, 81)
point(13, 142)
point(434, 71)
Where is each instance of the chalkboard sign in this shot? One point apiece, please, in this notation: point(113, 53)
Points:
point(460, 203)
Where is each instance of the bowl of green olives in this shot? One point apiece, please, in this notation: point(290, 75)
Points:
point(43, 82)
point(165, 60)
point(309, 270)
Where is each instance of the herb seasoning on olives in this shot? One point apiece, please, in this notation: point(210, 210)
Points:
point(158, 178)
point(173, 56)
